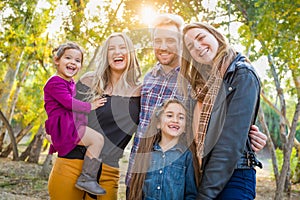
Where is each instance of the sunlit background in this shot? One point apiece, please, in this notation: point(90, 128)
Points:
point(146, 14)
point(265, 31)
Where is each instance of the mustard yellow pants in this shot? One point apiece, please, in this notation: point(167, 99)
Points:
point(62, 179)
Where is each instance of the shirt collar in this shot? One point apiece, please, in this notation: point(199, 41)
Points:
point(178, 147)
point(158, 69)
point(232, 66)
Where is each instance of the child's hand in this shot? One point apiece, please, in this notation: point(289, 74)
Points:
point(97, 103)
point(48, 137)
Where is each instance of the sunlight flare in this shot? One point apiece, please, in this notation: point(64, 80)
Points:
point(147, 15)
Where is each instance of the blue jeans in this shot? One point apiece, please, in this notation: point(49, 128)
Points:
point(241, 186)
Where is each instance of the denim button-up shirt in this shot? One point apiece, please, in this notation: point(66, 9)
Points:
point(170, 175)
point(157, 87)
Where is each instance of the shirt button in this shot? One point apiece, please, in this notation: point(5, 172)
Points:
point(158, 187)
point(230, 88)
point(163, 155)
point(160, 171)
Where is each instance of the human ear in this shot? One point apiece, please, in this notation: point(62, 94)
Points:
point(56, 60)
point(158, 126)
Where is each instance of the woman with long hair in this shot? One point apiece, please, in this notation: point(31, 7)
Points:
point(116, 77)
point(226, 89)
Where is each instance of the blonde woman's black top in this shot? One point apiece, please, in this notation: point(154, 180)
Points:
point(117, 120)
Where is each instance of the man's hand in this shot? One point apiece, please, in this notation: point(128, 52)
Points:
point(258, 139)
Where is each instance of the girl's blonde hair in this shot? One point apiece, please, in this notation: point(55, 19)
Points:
point(102, 75)
point(151, 137)
point(196, 74)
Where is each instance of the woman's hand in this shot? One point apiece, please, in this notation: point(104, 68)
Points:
point(257, 138)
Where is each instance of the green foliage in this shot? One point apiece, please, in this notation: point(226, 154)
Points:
point(24, 54)
point(272, 27)
point(298, 131)
point(293, 160)
point(275, 25)
point(272, 119)
point(30, 32)
point(25, 31)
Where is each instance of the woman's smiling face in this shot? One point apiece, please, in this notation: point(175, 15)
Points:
point(117, 54)
point(202, 45)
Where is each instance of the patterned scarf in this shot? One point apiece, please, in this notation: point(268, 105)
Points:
point(205, 95)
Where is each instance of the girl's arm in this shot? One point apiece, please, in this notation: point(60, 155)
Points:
point(60, 92)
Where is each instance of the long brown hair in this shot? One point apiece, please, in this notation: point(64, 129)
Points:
point(204, 79)
point(151, 137)
point(196, 74)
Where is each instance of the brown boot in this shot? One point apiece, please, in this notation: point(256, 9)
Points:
point(87, 180)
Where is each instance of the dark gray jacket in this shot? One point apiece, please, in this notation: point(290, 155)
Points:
point(234, 111)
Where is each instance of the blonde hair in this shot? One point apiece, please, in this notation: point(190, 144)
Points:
point(102, 75)
point(168, 19)
point(196, 74)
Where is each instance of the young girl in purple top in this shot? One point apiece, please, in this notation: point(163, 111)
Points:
point(67, 120)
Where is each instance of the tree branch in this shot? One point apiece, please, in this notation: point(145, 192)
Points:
point(11, 135)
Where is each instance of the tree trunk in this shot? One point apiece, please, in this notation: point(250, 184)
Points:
point(9, 80)
point(296, 177)
point(2, 134)
point(280, 182)
point(270, 144)
point(47, 166)
point(37, 146)
point(16, 95)
point(19, 137)
point(27, 151)
point(11, 135)
point(287, 154)
point(288, 184)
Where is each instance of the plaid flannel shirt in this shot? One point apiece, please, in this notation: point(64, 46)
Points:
point(157, 87)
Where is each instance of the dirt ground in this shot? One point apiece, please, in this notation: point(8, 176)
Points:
point(20, 180)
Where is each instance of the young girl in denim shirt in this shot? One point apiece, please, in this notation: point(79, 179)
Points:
point(163, 167)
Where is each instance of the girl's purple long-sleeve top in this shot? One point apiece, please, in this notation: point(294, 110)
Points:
point(66, 115)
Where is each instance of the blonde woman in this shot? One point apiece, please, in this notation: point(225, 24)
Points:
point(116, 77)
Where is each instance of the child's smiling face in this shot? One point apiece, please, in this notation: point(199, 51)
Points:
point(172, 121)
point(69, 64)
